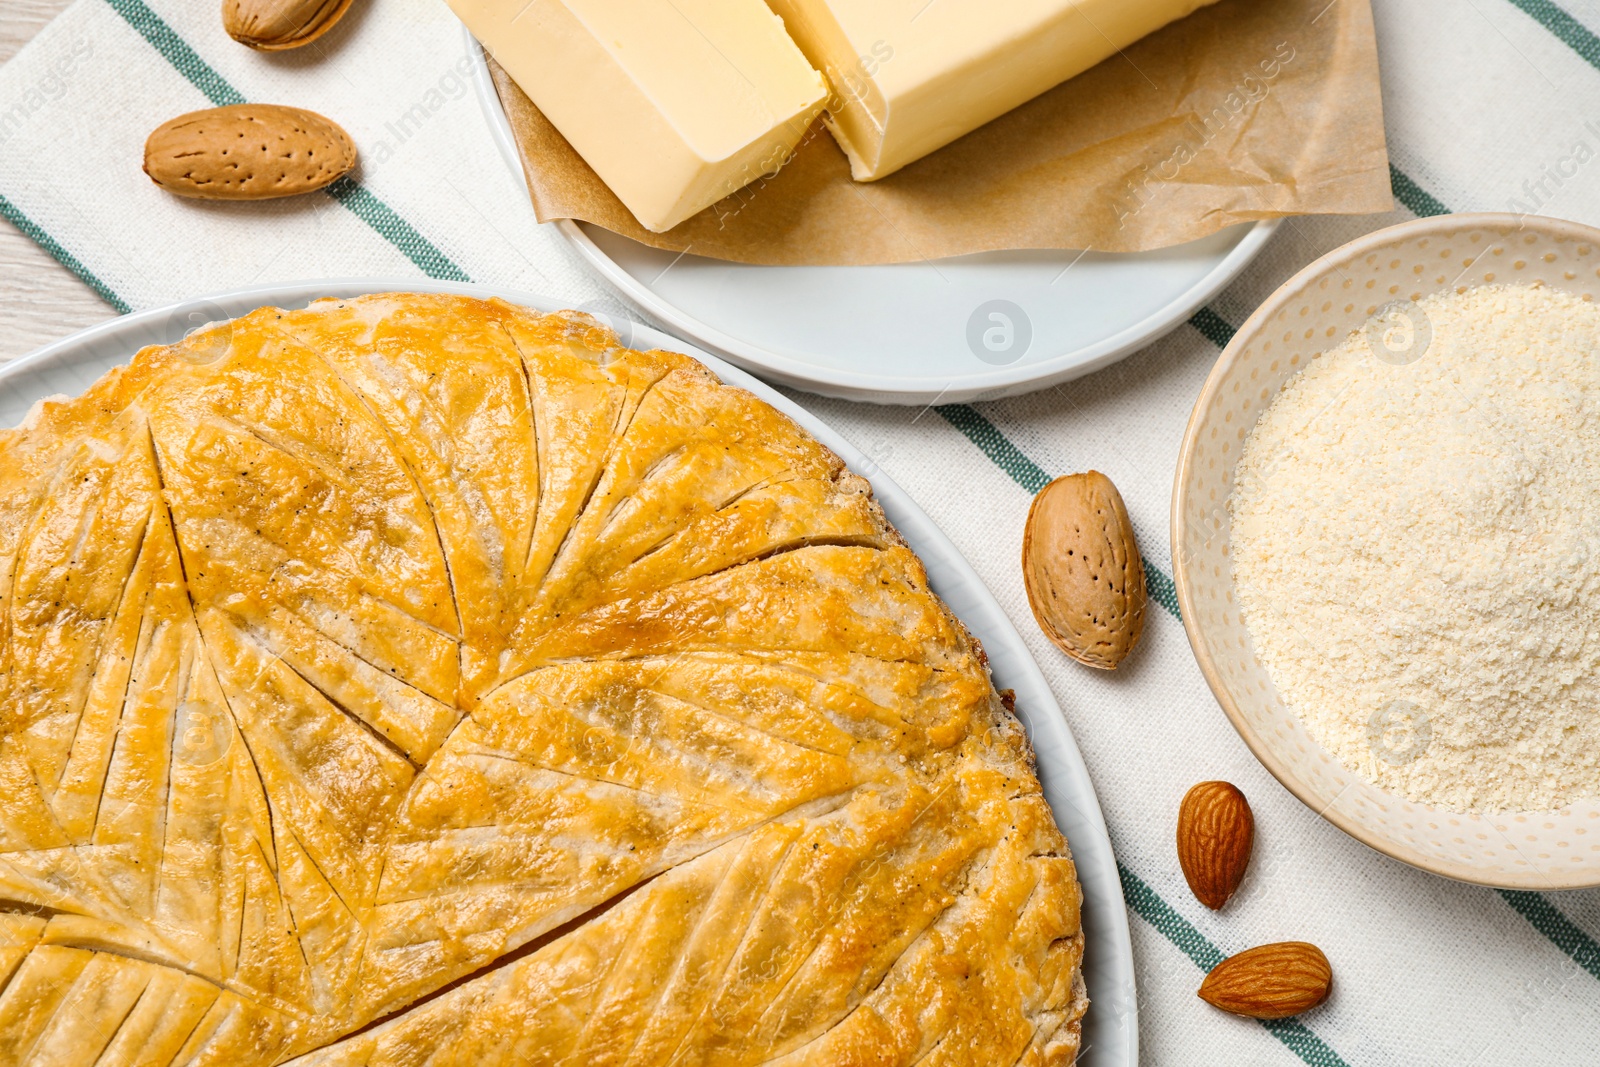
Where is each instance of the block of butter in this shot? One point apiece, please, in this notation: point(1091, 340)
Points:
point(910, 76)
point(674, 103)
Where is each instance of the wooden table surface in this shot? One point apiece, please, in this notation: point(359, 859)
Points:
point(40, 300)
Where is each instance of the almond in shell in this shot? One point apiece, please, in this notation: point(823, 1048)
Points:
point(1215, 833)
point(247, 152)
point(274, 25)
point(1082, 569)
point(1270, 981)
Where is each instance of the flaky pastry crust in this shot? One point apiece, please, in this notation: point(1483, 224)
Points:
point(419, 679)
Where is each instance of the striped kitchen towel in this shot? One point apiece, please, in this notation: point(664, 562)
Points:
point(1490, 104)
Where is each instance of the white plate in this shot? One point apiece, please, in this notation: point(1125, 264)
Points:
point(911, 333)
point(1111, 1033)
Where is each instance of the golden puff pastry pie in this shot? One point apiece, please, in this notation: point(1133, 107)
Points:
point(422, 680)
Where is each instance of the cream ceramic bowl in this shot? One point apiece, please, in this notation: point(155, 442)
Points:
point(1314, 311)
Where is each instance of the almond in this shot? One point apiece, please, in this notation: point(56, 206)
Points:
point(273, 25)
point(1215, 833)
point(1270, 981)
point(1082, 569)
point(247, 152)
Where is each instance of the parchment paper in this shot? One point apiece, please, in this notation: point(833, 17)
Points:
point(1245, 110)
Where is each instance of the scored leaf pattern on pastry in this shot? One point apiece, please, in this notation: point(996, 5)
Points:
point(418, 679)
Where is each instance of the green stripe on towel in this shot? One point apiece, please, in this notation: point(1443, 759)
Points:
point(1557, 927)
point(1028, 474)
point(396, 230)
point(1148, 905)
point(176, 50)
point(1215, 328)
point(1162, 590)
point(1574, 34)
point(1417, 200)
point(992, 443)
point(9, 211)
point(359, 201)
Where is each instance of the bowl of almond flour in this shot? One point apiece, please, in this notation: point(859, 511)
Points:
point(1386, 522)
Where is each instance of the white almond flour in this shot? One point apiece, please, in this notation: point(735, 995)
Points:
point(1416, 555)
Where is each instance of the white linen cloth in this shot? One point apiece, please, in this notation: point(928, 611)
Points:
point(1490, 105)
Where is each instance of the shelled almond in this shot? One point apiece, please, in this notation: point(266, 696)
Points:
point(1215, 834)
point(1270, 981)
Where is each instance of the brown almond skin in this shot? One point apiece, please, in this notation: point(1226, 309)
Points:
point(247, 152)
point(276, 25)
point(1270, 981)
point(1082, 570)
point(1216, 831)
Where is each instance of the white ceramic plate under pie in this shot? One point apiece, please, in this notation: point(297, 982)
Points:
point(1111, 1031)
